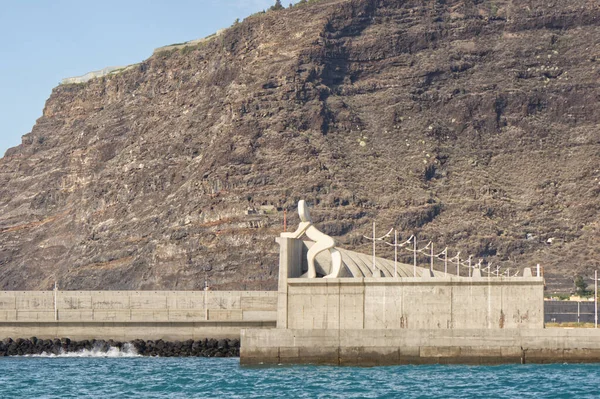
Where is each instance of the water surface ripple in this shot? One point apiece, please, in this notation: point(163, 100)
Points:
point(138, 377)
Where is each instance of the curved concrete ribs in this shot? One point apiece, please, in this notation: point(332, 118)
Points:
point(344, 263)
point(361, 265)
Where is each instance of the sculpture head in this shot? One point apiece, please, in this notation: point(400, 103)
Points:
point(303, 211)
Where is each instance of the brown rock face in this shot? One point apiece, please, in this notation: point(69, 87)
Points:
point(474, 124)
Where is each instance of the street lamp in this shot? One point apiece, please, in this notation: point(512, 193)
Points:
point(396, 246)
point(375, 239)
point(596, 299)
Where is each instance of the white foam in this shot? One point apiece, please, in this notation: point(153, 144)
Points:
point(128, 350)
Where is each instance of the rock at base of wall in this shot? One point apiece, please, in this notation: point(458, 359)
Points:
point(198, 348)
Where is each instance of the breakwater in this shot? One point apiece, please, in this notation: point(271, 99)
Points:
point(128, 315)
point(433, 346)
point(65, 346)
point(137, 306)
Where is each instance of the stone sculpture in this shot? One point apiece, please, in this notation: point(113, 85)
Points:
point(322, 243)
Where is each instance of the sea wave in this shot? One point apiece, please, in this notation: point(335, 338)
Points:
point(127, 350)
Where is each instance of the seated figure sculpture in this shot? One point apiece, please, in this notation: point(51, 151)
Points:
point(322, 243)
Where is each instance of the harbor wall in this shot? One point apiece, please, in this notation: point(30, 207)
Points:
point(129, 331)
point(432, 318)
point(124, 315)
point(139, 306)
point(432, 301)
point(440, 346)
point(414, 303)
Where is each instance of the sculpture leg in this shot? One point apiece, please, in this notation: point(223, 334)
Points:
point(336, 263)
point(312, 254)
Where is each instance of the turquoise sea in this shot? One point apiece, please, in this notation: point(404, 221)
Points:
point(139, 377)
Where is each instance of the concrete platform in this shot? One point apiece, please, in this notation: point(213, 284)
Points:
point(445, 346)
point(128, 331)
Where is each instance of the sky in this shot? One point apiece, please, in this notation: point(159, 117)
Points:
point(44, 41)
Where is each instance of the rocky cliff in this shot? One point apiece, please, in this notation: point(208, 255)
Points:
point(472, 123)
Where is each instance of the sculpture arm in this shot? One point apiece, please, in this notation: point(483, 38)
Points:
point(302, 227)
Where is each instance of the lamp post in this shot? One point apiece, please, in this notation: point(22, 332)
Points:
point(396, 246)
point(395, 253)
point(206, 288)
point(431, 257)
point(445, 253)
point(55, 301)
point(596, 299)
point(470, 256)
point(457, 264)
point(415, 256)
point(446, 262)
point(375, 239)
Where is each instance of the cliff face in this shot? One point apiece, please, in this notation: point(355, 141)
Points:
point(475, 124)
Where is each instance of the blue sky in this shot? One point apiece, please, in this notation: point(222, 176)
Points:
point(45, 41)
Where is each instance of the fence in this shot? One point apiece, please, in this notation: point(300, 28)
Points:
point(455, 263)
point(568, 312)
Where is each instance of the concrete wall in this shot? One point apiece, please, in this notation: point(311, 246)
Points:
point(90, 75)
point(403, 302)
point(189, 43)
point(414, 303)
point(384, 347)
point(388, 320)
point(137, 306)
point(128, 331)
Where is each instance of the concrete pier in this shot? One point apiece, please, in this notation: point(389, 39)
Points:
point(128, 331)
point(388, 347)
point(412, 303)
point(431, 318)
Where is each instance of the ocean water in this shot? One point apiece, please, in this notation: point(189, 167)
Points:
point(125, 375)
